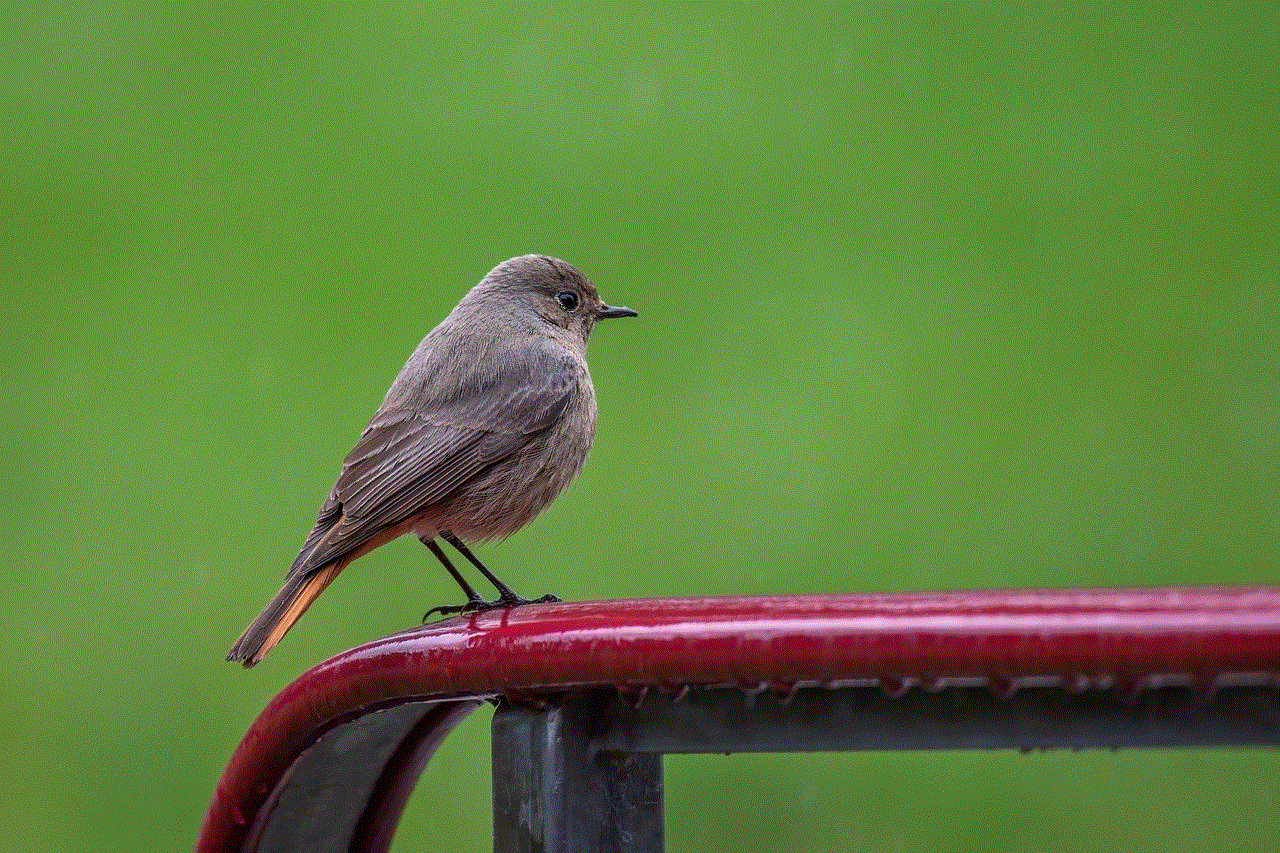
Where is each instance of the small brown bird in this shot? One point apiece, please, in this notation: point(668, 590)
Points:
point(491, 417)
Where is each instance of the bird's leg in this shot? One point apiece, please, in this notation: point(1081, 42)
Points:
point(474, 601)
point(507, 597)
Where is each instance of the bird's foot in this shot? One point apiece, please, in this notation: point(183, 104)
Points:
point(479, 605)
point(473, 606)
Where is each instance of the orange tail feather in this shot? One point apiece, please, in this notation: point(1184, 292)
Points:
point(278, 617)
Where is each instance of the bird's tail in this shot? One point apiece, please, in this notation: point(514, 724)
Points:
point(278, 617)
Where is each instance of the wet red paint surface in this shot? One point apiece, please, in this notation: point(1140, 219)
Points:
point(1079, 637)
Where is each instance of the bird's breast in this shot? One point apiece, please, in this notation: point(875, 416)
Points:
point(515, 490)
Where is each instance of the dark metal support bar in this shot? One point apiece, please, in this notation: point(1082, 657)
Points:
point(584, 774)
point(865, 718)
point(552, 793)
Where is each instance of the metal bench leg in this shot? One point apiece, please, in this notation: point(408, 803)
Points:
point(552, 793)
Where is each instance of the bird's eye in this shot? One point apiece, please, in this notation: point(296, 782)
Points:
point(568, 299)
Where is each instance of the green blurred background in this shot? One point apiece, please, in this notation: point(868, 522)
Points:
point(931, 296)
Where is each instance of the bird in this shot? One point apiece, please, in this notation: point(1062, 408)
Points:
point(492, 416)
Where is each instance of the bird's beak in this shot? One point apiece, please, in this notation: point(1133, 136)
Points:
point(610, 311)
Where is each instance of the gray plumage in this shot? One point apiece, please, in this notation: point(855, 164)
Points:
point(488, 421)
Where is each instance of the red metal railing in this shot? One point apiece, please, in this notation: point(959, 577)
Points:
point(394, 699)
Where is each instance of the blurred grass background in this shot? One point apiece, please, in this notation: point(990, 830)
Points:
point(931, 296)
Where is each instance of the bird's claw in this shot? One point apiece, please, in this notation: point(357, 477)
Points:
point(473, 606)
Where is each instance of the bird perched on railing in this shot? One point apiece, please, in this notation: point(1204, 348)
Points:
point(488, 421)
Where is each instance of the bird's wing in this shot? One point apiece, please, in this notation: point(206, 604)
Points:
point(408, 459)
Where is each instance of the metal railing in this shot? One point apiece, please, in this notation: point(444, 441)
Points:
point(590, 695)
